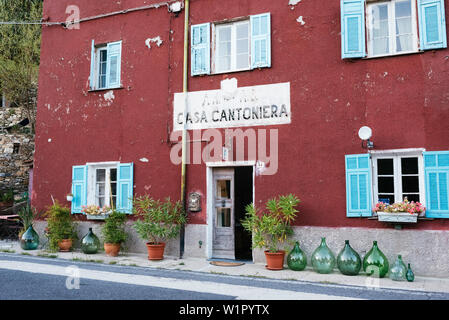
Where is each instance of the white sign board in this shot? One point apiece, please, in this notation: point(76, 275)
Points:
point(262, 105)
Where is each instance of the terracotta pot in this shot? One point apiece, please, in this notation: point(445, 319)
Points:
point(112, 249)
point(65, 245)
point(275, 260)
point(155, 251)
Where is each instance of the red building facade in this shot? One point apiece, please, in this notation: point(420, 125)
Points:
point(107, 100)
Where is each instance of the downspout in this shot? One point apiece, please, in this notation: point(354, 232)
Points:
point(184, 131)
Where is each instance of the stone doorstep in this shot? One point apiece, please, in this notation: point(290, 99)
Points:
point(257, 270)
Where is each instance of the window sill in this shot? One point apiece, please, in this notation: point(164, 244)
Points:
point(393, 55)
point(106, 89)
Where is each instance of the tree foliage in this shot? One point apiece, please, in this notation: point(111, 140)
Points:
point(20, 53)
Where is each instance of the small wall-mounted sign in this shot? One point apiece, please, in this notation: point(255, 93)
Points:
point(194, 202)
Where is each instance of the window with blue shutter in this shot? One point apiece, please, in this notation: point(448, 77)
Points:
point(358, 185)
point(352, 28)
point(260, 40)
point(432, 24)
point(113, 64)
point(200, 46)
point(125, 187)
point(436, 171)
point(79, 188)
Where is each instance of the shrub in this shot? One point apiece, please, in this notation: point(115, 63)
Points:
point(272, 227)
point(158, 220)
point(113, 229)
point(60, 225)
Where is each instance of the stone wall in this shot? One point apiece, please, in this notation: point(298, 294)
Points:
point(13, 172)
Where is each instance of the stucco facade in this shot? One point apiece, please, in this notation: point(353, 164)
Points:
point(402, 98)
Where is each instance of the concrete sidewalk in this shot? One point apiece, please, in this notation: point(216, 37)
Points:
point(247, 269)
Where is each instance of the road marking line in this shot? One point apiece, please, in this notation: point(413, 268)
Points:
point(240, 291)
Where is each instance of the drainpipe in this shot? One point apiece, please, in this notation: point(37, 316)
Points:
point(184, 131)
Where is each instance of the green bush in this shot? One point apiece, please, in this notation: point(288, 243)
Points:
point(158, 220)
point(7, 196)
point(60, 225)
point(113, 229)
point(271, 228)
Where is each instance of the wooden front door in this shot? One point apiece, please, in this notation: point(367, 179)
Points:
point(223, 214)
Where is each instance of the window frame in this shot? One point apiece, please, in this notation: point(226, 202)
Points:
point(215, 41)
point(392, 39)
point(397, 173)
point(92, 181)
point(95, 73)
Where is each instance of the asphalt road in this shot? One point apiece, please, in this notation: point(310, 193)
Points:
point(37, 278)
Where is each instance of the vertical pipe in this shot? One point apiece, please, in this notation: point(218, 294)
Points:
point(184, 131)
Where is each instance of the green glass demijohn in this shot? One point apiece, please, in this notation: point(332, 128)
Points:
point(297, 259)
point(410, 276)
point(375, 263)
point(30, 239)
point(90, 243)
point(323, 260)
point(398, 270)
point(348, 261)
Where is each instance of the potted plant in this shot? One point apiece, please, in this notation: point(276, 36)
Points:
point(114, 234)
point(401, 212)
point(61, 228)
point(157, 222)
point(94, 212)
point(271, 228)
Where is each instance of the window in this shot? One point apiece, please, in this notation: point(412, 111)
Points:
point(391, 27)
point(391, 175)
point(232, 51)
point(103, 184)
point(102, 190)
point(397, 177)
point(105, 66)
point(236, 46)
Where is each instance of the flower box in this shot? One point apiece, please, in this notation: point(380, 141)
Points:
point(97, 216)
point(401, 217)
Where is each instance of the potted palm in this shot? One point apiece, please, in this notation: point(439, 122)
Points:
point(271, 228)
point(157, 222)
point(61, 229)
point(113, 231)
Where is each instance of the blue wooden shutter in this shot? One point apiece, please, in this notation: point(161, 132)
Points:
point(125, 187)
point(92, 67)
point(79, 188)
point(352, 28)
point(200, 46)
point(358, 185)
point(260, 41)
point(436, 178)
point(113, 66)
point(432, 24)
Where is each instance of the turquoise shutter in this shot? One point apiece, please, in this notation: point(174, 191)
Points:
point(260, 41)
point(125, 187)
point(352, 28)
point(432, 24)
point(79, 188)
point(113, 66)
point(358, 185)
point(92, 67)
point(200, 46)
point(436, 178)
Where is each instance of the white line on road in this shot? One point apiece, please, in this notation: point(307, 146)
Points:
point(240, 291)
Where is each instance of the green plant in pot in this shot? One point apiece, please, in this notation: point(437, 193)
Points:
point(114, 233)
point(271, 228)
point(29, 239)
point(158, 221)
point(61, 228)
